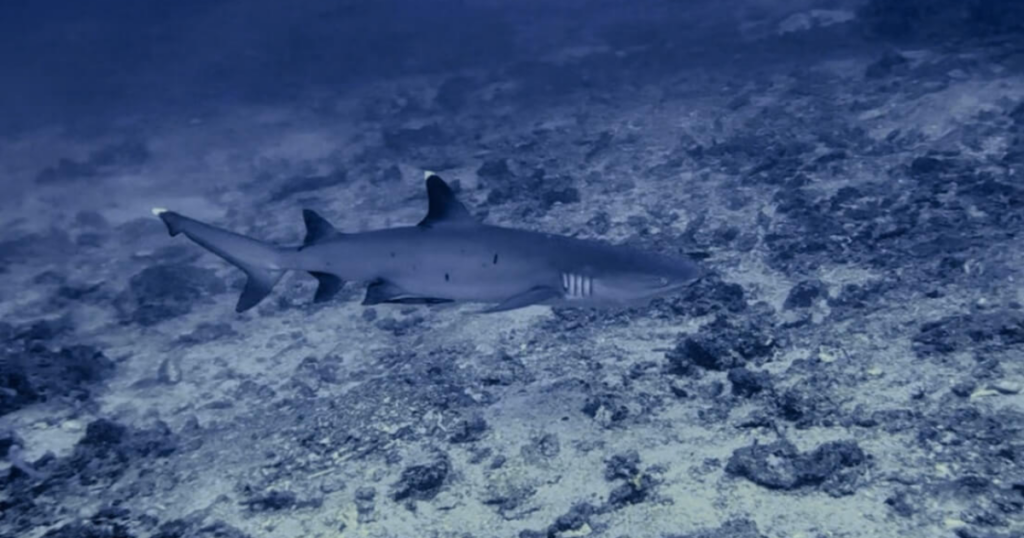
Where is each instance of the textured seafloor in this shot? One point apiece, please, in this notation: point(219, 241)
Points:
point(852, 368)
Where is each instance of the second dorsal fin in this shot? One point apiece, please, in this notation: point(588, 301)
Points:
point(318, 229)
point(444, 207)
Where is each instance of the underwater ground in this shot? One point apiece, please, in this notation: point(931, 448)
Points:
point(853, 366)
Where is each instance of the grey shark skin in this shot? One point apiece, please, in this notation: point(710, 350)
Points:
point(448, 257)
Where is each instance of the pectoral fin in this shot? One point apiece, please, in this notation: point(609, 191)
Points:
point(529, 297)
point(329, 286)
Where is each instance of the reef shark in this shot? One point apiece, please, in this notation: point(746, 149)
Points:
point(450, 256)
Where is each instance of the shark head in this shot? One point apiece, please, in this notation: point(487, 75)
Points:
point(644, 276)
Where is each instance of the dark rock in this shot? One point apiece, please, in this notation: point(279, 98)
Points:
point(853, 297)
point(179, 528)
point(273, 500)
point(634, 491)
point(478, 455)
point(541, 449)
point(568, 195)
point(250, 389)
point(622, 466)
point(747, 383)
point(637, 487)
point(964, 388)
point(365, 500)
point(108, 449)
point(928, 165)
point(43, 330)
point(804, 294)
point(734, 528)
point(89, 530)
point(600, 144)
point(900, 504)
point(804, 407)
point(16, 390)
point(103, 433)
point(312, 373)
point(690, 353)
point(574, 519)
point(611, 405)
point(399, 327)
point(35, 373)
point(990, 330)
point(422, 482)
point(710, 391)
point(719, 346)
point(834, 466)
point(895, 420)
point(469, 430)
point(496, 170)
point(600, 223)
point(7, 440)
point(505, 370)
point(163, 292)
point(708, 295)
point(507, 499)
point(157, 442)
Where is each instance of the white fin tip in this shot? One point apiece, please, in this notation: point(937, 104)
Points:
point(427, 174)
point(157, 211)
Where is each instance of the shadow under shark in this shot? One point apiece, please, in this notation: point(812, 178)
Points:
point(449, 256)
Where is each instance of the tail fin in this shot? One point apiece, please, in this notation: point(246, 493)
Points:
point(261, 262)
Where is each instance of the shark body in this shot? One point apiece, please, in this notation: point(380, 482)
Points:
point(450, 256)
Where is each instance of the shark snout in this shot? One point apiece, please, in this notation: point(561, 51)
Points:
point(678, 273)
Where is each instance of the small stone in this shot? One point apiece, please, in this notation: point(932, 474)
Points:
point(963, 389)
point(469, 430)
point(625, 466)
point(273, 500)
point(678, 389)
point(71, 425)
point(422, 482)
point(804, 294)
point(169, 372)
point(747, 383)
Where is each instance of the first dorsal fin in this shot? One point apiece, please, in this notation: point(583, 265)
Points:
point(318, 229)
point(444, 207)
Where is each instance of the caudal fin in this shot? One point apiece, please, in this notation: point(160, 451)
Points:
point(261, 262)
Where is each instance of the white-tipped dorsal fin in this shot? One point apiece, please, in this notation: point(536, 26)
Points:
point(444, 208)
point(427, 174)
point(157, 211)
